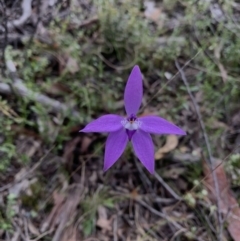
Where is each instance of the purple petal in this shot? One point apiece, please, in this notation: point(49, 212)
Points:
point(144, 149)
point(130, 134)
point(157, 125)
point(115, 145)
point(105, 123)
point(133, 91)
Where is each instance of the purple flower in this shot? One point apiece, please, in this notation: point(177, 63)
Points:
point(136, 130)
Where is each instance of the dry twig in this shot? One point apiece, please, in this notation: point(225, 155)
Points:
point(161, 215)
point(26, 13)
point(18, 88)
point(210, 157)
point(167, 187)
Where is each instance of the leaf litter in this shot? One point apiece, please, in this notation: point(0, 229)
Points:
point(62, 217)
point(229, 206)
point(124, 177)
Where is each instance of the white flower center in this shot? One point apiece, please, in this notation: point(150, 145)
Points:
point(131, 124)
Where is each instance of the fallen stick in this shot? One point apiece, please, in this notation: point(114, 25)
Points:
point(18, 88)
point(27, 11)
point(209, 151)
point(21, 90)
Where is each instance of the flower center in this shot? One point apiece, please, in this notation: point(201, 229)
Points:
point(131, 123)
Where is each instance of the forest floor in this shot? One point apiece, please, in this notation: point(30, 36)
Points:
point(66, 62)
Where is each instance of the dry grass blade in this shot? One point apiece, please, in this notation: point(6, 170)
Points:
point(167, 187)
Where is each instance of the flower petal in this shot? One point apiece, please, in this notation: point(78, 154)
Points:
point(115, 145)
point(158, 125)
point(133, 91)
point(105, 123)
point(144, 149)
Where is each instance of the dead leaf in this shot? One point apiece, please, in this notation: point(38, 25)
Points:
point(151, 11)
point(102, 212)
point(216, 124)
point(103, 221)
point(33, 229)
point(93, 177)
point(226, 200)
point(24, 131)
point(228, 204)
point(184, 149)
point(171, 144)
point(86, 141)
point(72, 65)
point(56, 89)
point(71, 234)
point(174, 172)
point(68, 151)
point(22, 187)
point(50, 222)
point(104, 224)
point(135, 194)
point(67, 214)
point(16, 236)
point(63, 213)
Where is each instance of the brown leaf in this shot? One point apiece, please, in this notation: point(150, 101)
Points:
point(103, 221)
point(70, 234)
point(135, 194)
point(86, 141)
point(226, 199)
point(104, 224)
point(33, 229)
point(63, 213)
point(22, 187)
point(16, 236)
point(67, 215)
point(24, 131)
point(51, 221)
point(68, 150)
point(57, 89)
point(171, 144)
point(228, 204)
point(234, 224)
